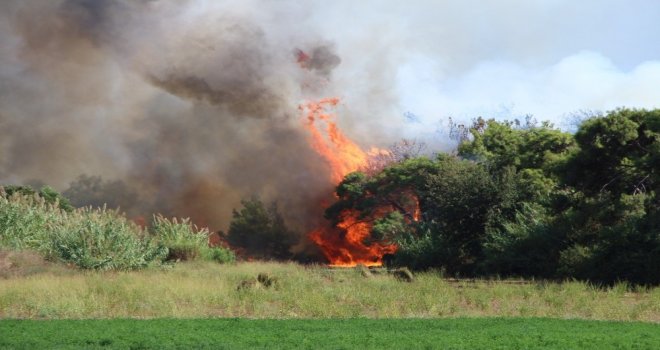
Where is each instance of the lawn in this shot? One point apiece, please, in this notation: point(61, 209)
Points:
point(460, 333)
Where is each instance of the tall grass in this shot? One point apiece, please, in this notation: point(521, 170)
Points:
point(202, 289)
point(100, 238)
point(185, 241)
point(24, 221)
point(88, 238)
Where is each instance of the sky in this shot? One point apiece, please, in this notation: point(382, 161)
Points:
point(505, 59)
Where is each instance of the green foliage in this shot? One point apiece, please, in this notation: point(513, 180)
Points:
point(183, 240)
point(218, 254)
point(526, 201)
point(502, 144)
point(102, 240)
point(92, 239)
point(260, 231)
point(525, 246)
point(618, 153)
point(612, 228)
point(352, 333)
point(390, 227)
point(23, 221)
point(49, 195)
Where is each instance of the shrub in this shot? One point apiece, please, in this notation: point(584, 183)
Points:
point(183, 240)
point(23, 221)
point(218, 254)
point(260, 231)
point(88, 238)
point(102, 239)
point(48, 194)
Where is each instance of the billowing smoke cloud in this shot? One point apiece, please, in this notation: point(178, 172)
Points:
point(192, 104)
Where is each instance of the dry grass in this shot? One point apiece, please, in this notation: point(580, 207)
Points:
point(15, 264)
point(210, 290)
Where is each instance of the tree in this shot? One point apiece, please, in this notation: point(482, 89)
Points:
point(93, 191)
point(612, 221)
point(260, 231)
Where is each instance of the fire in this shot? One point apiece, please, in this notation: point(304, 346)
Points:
point(342, 154)
point(343, 244)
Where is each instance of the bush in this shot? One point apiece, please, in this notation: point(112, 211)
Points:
point(218, 254)
point(183, 240)
point(88, 238)
point(48, 194)
point(260, 231)
point(102, 239)
point(23, 220)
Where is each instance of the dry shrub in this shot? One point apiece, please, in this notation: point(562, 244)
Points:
point(402, 274)
point(263, 280)
point(364, 271)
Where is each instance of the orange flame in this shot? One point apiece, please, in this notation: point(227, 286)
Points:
point(342, 154)
point(343, 244)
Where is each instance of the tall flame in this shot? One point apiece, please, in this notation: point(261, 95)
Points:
point(342, 154)
point(343, 244)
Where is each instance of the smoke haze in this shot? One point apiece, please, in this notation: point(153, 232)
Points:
point(193, 104)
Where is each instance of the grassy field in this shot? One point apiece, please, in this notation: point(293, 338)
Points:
point(200, 290)
point(484, 333)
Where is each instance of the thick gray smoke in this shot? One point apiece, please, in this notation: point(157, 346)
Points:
point(182, 108)
point(192, 104)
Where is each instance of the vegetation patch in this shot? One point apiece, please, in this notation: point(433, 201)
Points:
point(275, 290)
point(500, 333)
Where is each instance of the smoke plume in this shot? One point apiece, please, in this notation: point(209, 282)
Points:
point(183, 108)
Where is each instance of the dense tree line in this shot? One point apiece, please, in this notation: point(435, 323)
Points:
point(526, 200)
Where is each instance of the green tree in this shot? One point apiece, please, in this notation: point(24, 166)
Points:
point(612, 223)
point(260, 231)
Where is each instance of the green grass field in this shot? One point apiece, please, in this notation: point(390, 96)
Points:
point(461, 333)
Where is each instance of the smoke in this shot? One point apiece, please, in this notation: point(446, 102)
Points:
point(192, 104)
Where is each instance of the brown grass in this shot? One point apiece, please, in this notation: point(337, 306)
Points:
point(16, 264)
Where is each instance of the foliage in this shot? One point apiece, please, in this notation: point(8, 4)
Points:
point(260, 231)
point(47, 193)
point(360, 333)
point(24, 220)
point(183, 240)
point(88, 238)
point(220, 255)
point(103, 240)
point(525, 200)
